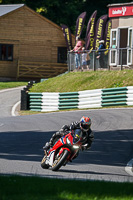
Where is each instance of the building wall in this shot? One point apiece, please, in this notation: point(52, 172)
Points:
point(126, 21)
point(115, 23)
point(122, 22)
point(33, 37)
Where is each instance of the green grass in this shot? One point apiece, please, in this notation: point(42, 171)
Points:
point(36, 188)
point(5, 85)
point(79, 81)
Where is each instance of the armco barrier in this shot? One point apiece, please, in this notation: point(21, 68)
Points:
point(114, 96)
point(53, 101)
point(68, 100)
point(90, 99)
point(35, 101)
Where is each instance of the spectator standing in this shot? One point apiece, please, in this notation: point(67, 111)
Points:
point(101, 54)
point(77, 49)
point(85, 59)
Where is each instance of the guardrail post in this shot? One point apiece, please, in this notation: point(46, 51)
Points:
point(24, 99)
point(94, 66)
point(121, 57)
point(25, 96)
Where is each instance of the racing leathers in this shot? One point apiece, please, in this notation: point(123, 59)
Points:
point(88, 136)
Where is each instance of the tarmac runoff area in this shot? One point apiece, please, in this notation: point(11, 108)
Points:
point(128, 168)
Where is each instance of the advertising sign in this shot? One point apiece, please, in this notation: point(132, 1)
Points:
point(67, 35)
point(80, 23)
point(100, 28)
point(107, 35)
point(120, 11)
point(89, 40)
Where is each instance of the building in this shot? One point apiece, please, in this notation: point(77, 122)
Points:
point(121, 38)
point(31, 46)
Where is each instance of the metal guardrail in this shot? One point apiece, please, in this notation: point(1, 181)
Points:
point(83, 99)
point(104, 63)
point(114, 96)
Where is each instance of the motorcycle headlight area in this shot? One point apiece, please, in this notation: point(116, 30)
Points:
point(75, 147)
point(68, 141)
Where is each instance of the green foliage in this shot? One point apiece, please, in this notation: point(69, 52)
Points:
point(66, 12)
point(79, 81)
point(42, 9)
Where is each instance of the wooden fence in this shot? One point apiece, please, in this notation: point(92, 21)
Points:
point(40, 69)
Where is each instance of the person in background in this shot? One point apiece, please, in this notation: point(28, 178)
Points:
point(85, 59)
point(77, 49)
point(101, 54)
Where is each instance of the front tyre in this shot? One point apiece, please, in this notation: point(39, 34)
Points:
point(43, 164)
point(60, 161)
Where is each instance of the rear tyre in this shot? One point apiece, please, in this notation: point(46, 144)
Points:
point(43, 164)
point(60, 161)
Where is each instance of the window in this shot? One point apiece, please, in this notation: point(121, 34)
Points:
point(62, 55)
point(6, 52)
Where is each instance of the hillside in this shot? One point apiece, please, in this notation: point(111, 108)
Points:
point(79, 81)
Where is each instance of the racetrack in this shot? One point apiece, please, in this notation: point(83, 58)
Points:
point(22, 139)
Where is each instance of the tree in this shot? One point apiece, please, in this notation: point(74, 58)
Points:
point(66, 11)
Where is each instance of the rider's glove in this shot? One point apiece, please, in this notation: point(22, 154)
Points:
point(74, 125)
point(63, 130)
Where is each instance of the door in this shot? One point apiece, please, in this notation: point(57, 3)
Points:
point(122, 46)
point(113, 47)
point(129, 46)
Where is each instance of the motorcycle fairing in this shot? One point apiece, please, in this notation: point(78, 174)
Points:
point(50, 158)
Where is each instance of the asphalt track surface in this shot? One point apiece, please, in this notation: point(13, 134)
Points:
point(22, 139)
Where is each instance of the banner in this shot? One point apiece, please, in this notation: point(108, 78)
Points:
point(68, 36)
point(90, 32)
point(100, 28)
point(80, 23)
point(121, 11)
point(107, 35)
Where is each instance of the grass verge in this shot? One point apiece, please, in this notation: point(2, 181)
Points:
point(6, 85)
point(79, 81)
point(36, 188)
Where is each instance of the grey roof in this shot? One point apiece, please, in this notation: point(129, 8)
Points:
point(4, 9)
point(120, 4)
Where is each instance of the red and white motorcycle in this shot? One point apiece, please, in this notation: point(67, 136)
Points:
point(64, 150)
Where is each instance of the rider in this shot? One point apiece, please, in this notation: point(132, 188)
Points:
point(84, 125)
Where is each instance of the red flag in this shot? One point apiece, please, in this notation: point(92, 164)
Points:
point(89, 41)
point(80, 23)
point(100, 28)
point(68, 36)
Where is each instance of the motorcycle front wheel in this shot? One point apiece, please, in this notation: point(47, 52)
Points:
point(60, 161)
point(43, 164)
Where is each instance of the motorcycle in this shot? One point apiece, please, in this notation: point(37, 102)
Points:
point(63, 151)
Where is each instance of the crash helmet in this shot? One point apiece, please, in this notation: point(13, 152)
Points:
point(85, 123)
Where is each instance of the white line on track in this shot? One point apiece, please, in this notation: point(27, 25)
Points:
point(129, 167)
point(14, 108)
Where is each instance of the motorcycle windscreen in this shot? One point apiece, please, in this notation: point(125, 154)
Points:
point(77, 135)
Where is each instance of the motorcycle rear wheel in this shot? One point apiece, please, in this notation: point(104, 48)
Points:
point(61, 159)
